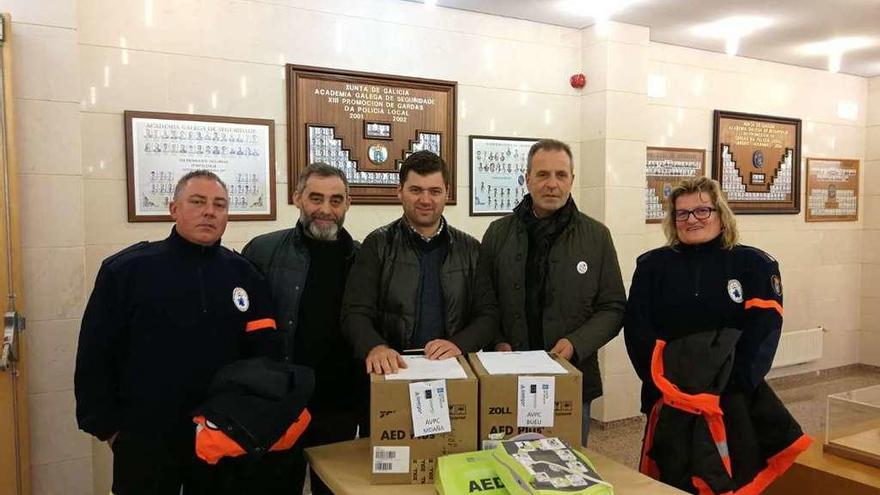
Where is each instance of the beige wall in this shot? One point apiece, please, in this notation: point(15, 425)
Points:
point(821, 263)
point(46, 71)
point(80, 63)
point(871, 236)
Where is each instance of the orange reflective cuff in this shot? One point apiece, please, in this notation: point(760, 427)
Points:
point(765, 304)
point(265, 323)
point(294, 432)
point(212, 444)
point(776, 466)
point(706, 404)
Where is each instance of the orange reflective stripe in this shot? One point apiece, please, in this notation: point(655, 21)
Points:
point(719, 436)
point(647, 466)
point(703, 487)
point(673, 396)
point(294, 432)
point(265, 323)
point(765, 304)
point(776, 466)
point(212, 444)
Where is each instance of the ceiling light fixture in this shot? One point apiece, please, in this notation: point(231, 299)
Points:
point(834, 60)
point(599, 10)
point(835, 48)
point(731, 45)
point(732, 30)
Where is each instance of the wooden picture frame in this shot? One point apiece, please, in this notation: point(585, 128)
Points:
point(347, 102)
point(831, 193)
point(161, 147)
point(757, 160)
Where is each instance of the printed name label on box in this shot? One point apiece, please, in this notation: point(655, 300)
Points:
point(535, 401)
point(430, 408)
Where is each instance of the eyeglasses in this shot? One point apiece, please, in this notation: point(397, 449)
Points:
point(700, 213)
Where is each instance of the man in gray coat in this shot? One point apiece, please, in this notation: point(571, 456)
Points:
point(307, 266)
point(554, 272)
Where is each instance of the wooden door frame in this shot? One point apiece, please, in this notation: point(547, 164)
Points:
point(14, 419)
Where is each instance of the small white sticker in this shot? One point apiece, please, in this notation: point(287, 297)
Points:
point(240, 299)
point(582, 267)
point(390, 459)
point(535, 400)
point(430, 408)
point(735, 290)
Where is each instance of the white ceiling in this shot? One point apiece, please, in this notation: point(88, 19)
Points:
point(791, 25)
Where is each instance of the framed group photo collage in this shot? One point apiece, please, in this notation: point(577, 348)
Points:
point(163, 147)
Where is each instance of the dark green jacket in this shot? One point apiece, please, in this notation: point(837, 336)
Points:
point(586, 308)
point(284, 259)
point(382, 294)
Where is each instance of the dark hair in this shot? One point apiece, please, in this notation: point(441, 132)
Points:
point(548, 145)
point(197, 174)
point(320, 169)
point(424, 163)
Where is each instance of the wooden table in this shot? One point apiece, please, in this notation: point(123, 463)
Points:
point(819, 473)
point(345, 468)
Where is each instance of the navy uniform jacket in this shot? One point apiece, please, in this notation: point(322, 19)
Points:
point(163, 318)
point(688, 289)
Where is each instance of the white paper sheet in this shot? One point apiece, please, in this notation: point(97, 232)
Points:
point(429, 408)
point(422, 368)
point(520, 363)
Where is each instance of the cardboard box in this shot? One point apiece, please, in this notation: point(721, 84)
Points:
point(391, 429)
point(498, 405)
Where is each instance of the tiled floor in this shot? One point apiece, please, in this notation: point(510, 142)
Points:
point(805, 397)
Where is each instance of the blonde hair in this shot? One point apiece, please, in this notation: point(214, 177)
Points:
point(729, 233)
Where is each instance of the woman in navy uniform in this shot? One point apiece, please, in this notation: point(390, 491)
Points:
point(702, 325)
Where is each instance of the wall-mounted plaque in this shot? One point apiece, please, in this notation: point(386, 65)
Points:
point(498, 173)
point(664, 169)
point(832, 193)
point(163, 147)
point(756, 158)
point(367, 124)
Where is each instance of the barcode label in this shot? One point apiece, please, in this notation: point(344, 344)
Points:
point(391, 459)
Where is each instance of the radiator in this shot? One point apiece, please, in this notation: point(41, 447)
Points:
point(799, 346)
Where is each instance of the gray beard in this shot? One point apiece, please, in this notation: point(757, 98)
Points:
point(314, 231)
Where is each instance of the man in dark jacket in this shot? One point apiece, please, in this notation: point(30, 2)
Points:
point(414, 283)
point(307, 266)
point(554, 272)
point(163, 318)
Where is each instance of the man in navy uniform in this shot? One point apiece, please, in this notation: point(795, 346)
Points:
point(163, 318)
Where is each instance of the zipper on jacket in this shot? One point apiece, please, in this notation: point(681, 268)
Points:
point(202, 288)
point(697, 279)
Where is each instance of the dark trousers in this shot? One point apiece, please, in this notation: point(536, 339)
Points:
point(326, 427)
point(152, 464)
point(165, 464)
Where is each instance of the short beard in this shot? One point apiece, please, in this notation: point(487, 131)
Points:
point(315, 231)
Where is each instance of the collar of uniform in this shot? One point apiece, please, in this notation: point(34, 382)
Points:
point(185, 246)
point(707, 246)
point(419, 234)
